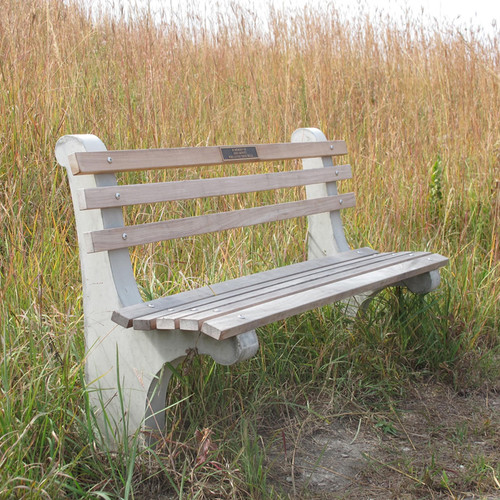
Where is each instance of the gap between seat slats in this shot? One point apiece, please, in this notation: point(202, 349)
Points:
point(197, 313)
point(152, 309)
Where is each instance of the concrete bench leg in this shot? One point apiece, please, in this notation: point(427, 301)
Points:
point(128, 389)
point(358, 305)
point(228, 352)
point(420, 285)
point(424, 283)
point(126, 370)
point(325, 231)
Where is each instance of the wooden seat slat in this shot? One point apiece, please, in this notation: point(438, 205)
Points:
point(134, 194)
point(127, 236)
point(252, 288)
point(223, 327)
point(147, 312)
point(193, 320)
point(105, 162)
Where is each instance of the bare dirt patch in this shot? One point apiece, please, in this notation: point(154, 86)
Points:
point(433, 444)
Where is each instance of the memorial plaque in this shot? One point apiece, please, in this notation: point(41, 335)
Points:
point(239, 153)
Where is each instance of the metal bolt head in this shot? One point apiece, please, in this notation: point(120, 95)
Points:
point(110, 160)
point(241, 316)
point(331, 146)
point(341, 201)
point(336, 172)
point(117, 196)
point(124, 236)
point(151, 305)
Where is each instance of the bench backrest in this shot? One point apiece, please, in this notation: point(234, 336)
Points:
point(108, 197)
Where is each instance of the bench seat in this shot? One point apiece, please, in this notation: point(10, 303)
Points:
point(229, 308)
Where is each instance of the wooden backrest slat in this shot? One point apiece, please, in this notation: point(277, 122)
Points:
point(122, 237)
point(119, 196)
point(122, 161)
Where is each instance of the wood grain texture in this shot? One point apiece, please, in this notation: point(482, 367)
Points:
point(147, 159)
point(193, 318)
point(148, 312)
point(108, 197)
point(123, 237)
point(252, 317)
point(262, 286)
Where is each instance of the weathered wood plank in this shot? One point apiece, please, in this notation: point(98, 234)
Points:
point(119, 196)
point(147, 159)
point(194, 320)
point(149, 311)
point(249, 287)
point(123, 237)
point(194, 314)
point(252, 317)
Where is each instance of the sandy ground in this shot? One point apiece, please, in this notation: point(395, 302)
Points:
point(433, 444)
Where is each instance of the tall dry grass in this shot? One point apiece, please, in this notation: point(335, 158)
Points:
point(419, 108)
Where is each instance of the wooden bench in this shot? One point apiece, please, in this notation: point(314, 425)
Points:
point(131, 344)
